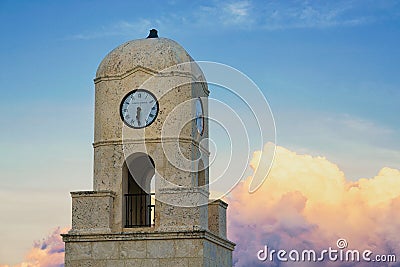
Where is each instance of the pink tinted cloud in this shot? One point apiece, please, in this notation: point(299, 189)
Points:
point(307, 203)
point(46, 253)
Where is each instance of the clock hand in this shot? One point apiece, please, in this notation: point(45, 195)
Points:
point(138, 115)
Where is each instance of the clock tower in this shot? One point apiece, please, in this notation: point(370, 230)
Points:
point(150, 201)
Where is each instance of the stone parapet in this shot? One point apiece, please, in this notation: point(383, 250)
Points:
point(92, 211)
point(217, 217)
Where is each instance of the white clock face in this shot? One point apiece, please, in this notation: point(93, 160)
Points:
point(139, 108)
point(199, 116)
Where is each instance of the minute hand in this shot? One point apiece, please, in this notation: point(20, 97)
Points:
point(138, 110)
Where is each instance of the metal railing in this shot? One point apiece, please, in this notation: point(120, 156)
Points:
point(140, 210)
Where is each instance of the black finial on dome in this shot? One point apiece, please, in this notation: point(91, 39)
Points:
point(153, 34)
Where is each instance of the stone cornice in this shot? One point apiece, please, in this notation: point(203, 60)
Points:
point(149, 140)
point(152, 73)
point(100, 193)
point(218, 202)
point(150, 235)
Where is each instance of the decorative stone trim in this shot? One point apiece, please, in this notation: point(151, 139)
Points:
point(152, 72)
point(150, 140)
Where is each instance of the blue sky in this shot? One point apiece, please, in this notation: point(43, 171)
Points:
point(329, 69)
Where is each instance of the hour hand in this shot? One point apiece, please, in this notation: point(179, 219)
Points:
point(138, 115)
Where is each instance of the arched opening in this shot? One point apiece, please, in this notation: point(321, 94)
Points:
point(201, 174)
point(138, 208)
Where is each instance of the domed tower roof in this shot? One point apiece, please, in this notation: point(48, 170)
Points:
point(152, 53)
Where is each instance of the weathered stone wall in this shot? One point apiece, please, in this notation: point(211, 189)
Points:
point(109, 175)
point(217, 217)
point(194, 249)
point(217, 256)
point(171, 141)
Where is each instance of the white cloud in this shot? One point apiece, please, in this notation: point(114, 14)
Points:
point(236, 13)
point(306, 14)
point(239, 8)
point(265, 15)
point(363, 126)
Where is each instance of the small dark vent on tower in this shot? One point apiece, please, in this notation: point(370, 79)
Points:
point(153, 34)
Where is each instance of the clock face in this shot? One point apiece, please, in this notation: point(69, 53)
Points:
point(139, 108)
point(199, 116)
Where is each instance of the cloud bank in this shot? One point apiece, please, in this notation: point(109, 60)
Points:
point(46, 253)
point(307, 203)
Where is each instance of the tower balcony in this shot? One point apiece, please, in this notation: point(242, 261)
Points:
point(140, 210)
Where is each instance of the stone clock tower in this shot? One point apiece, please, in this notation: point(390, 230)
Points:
point(150, 201)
